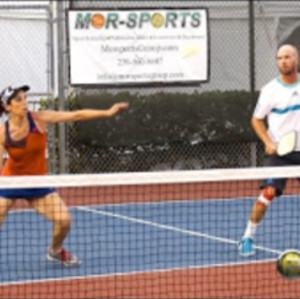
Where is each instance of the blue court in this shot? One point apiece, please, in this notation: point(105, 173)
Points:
point(142, 237)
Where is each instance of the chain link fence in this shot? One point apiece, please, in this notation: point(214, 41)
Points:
point(27, 51)
point(230, 63)
point(244, 36)
point(163, 157)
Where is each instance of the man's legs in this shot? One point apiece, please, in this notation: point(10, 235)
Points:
point(270, 189)
point(258, 211)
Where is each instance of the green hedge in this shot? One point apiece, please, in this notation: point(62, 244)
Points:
point(166, 117)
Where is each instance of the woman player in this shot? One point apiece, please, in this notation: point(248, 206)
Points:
point(23, 136)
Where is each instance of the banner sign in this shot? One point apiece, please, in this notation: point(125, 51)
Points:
point(138, 46)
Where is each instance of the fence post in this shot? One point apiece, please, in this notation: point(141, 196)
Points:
point(252, 50)
point(61, 83)
point(52, 153)
point(253, 151)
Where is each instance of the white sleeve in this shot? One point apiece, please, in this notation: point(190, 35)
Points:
point(263, 106)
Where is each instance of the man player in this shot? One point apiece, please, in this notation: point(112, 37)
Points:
point(24, 138)
point(279, 101)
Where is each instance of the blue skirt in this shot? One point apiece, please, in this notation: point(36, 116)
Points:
point(25, 193)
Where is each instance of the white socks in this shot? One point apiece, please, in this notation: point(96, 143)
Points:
point(250, 229)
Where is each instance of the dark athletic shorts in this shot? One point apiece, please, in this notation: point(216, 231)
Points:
point(25, 193)
point(291, 159)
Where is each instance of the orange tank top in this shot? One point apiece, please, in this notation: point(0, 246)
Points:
point(28, 156)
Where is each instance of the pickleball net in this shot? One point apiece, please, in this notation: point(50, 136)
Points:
point(169, 234)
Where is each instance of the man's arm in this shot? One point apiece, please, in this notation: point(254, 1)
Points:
point(262, 133)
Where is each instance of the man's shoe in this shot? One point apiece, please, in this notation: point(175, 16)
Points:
point(245, 247)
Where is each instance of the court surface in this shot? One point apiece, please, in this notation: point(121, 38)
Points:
point(124, 239)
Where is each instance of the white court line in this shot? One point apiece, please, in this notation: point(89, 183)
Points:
point(181, 201)
point(164, 202)
point(233, 264)
point(161, 202)
point(173, 228)
point(145, 203)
